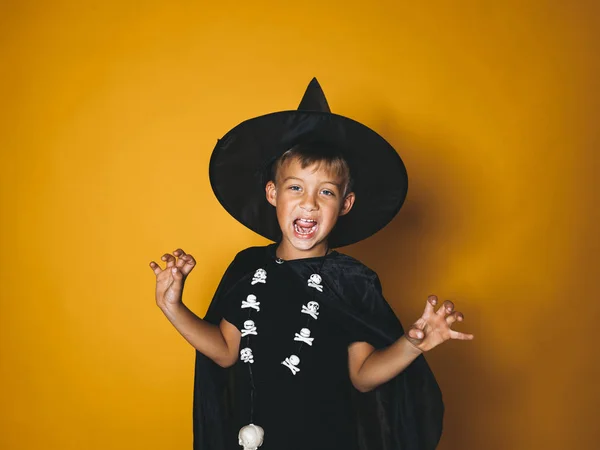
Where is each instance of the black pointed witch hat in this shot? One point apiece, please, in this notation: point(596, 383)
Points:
point(241, 161)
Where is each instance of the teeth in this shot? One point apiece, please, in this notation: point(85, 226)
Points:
point(300, 231)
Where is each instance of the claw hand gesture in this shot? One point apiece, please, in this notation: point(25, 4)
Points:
point(170, 280)
point(434, 328)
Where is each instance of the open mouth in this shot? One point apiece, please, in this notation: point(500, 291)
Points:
point(305, 227)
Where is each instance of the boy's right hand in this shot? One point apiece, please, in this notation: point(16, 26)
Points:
point(170, 280)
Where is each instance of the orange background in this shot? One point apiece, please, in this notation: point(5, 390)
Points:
point(110, 112)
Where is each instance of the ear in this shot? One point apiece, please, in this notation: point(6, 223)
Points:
point(347, 204)
point(271, 193)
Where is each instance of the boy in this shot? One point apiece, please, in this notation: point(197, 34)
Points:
point(298, 345)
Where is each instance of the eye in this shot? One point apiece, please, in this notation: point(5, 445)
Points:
point(294, 187)
point(328, 192)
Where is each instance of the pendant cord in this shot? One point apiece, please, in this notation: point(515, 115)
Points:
point(252, 389)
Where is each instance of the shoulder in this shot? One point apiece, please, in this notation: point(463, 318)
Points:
point(248, 261)
point(245, 263)
point(252, 255)
point(358, 289)
point(348, 267)
point(358, 283)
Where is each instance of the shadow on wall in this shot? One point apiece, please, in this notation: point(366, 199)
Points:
point(410, 254)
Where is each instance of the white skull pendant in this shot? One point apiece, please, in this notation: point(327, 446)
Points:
point(251, 437)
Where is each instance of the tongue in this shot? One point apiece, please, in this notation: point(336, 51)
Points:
point(305, 226)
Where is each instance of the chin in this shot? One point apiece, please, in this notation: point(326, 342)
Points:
point(307, 247)
point(306, 244)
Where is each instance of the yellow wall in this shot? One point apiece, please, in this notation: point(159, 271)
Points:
point(110, 112)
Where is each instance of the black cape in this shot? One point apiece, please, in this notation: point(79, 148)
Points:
point(405, 413)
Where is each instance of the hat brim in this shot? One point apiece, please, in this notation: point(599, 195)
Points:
point(240, 162)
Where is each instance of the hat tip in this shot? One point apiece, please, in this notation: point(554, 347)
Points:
point(314, 98)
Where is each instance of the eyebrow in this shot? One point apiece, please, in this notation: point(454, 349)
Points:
point(339, 185)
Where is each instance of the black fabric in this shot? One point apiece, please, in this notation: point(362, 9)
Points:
point(242, 158)
point(404, 414)
point(317, 397)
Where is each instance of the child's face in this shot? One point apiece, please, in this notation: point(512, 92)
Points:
point(309, 201)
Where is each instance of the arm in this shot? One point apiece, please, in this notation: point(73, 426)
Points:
point(370, 368)
point(219, 343)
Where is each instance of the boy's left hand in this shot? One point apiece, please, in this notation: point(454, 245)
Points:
point(434, 328)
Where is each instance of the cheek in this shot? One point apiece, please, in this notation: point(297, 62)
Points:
point(333, 209)
point(284, 208)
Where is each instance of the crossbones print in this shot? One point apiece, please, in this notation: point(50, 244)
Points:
point(246, 355)
point(304, 336)
point(251, 302)
point(315, 282)
point(312, 309)
point(249, 328)
point(260, 276)
point(292, 363)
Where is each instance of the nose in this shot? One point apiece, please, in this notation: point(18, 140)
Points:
point(309, 202)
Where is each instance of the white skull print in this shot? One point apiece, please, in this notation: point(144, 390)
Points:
point(260, 276)
point(249, 328)
point(292, 364)
point(314, 281)
point(312, 309)
point(304, 336)
point(246, 355)
point(251, 302)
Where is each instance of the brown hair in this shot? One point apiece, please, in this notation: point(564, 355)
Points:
point(309, 154)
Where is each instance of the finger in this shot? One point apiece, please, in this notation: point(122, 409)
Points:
point(420, 324)
point(416, 334)
point(177, 277)
point(429, 306)
point(155, 268)
point(188, 264)
point(461, 336)
point(170, 259)
point(181, 261)
point(456, 316)
point(446, 308)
